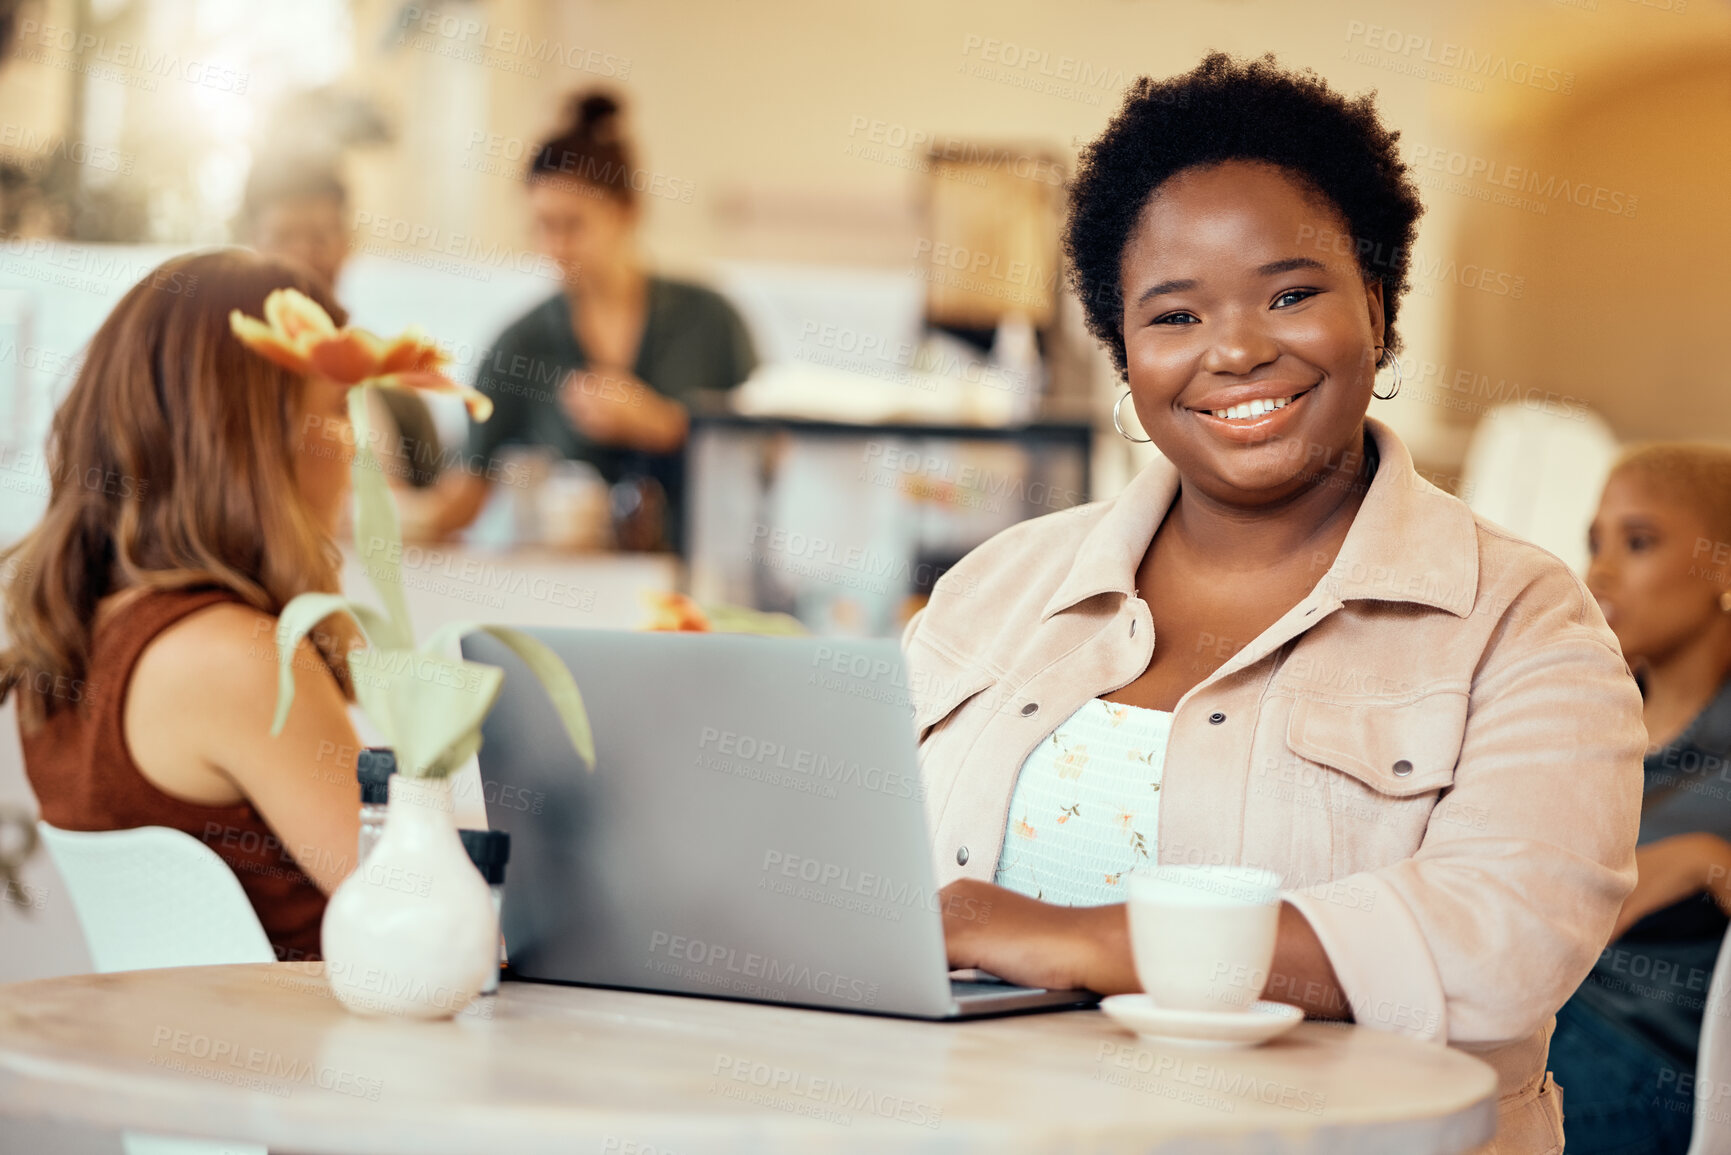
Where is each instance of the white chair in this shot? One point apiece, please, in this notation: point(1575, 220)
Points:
point(1711, 1133)
point(1539, 474)
point(155, 897)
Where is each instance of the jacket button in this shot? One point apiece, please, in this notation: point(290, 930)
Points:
point(1402, 768)
point(1030, 709)
point(1216, 718)
point(962, 856)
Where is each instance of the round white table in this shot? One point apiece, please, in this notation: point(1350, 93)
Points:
point(265, 1054)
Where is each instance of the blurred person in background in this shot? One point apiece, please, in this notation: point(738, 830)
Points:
point(1626, 1041)
point(300, 211)
point(602, 371)
point(195, 490)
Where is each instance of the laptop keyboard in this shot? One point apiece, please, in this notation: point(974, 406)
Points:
point(964, 989)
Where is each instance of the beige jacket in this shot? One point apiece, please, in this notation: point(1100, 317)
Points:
point(1439, 749)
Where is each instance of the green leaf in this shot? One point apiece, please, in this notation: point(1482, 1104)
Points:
point(378, 535)
point(428, 707)
point(297, 621)
point(453, 759)
point(546, 667)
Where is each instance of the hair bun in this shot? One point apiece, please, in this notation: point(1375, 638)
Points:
point(590, 148)
point(595, 115)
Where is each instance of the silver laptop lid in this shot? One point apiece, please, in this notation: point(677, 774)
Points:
point(754, 827)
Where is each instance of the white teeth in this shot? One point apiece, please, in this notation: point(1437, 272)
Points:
point(1251, 409)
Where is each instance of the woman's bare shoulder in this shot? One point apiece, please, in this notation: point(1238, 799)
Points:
point(228, 644)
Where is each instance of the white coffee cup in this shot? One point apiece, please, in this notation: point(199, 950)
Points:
point(1203, 936)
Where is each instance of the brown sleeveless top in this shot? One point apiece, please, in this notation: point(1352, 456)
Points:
point(85, 779)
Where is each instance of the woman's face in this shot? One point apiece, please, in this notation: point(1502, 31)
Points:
point(1235, 294)
point(584, 230)
point(1659, 589)
point(324, 447)
point(310, 230)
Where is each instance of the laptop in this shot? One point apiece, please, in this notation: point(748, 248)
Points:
point(754, 828)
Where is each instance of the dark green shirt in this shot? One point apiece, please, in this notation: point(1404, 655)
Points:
point(692, 340)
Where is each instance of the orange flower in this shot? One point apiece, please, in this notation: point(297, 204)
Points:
point(298, 334)
point(674, 611)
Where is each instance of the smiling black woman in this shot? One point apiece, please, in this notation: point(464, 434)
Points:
point(1279, 647)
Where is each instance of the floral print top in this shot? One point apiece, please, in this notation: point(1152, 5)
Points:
point(1086, 808)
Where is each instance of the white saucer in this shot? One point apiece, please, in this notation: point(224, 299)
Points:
point(1214, 1029)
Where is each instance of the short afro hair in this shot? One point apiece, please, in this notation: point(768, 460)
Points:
point(1227, 109)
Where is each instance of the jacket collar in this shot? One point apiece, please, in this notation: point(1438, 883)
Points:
point(1410, 541)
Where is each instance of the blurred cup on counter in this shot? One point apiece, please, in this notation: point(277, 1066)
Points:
point(529, 466)
point(573, 507)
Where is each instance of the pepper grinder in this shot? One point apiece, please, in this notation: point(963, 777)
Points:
point(373, 768)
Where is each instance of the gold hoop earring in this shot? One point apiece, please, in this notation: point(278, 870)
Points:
point(1118, 424)
point(1389, 396)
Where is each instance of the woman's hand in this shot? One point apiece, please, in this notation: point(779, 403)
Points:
point(1672, 869)
point(612, 407)
point(1036, 944)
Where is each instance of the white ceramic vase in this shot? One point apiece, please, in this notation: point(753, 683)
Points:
point(412, 932)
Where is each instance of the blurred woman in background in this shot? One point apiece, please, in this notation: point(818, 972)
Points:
point(1626, 1041)
point(601, 371)
point(195, 488)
